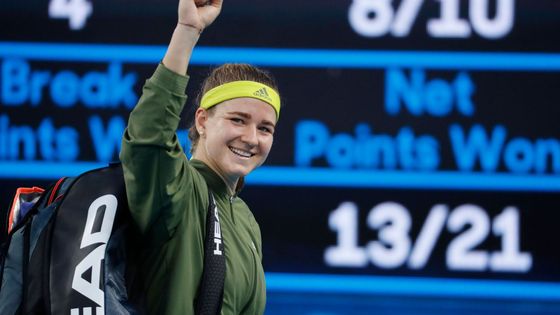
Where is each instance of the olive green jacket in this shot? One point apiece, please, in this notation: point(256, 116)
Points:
point(168, 198)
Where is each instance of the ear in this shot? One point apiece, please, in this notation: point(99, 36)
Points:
point(200, 119)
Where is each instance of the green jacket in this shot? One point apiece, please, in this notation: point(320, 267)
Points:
point(168, 198)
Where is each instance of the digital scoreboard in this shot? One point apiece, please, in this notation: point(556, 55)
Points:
point(417, 157)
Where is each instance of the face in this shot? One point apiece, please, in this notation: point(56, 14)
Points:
point(236, 137)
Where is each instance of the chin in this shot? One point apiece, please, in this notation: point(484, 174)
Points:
point(240, 171)
point(244, 172)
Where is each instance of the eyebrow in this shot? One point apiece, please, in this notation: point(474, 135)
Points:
point(248, 116)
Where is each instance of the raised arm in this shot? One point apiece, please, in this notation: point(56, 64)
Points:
point(154, 164)
point(194, 17)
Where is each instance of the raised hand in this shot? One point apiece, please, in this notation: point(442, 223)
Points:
point(198, 13)
point(194, 17)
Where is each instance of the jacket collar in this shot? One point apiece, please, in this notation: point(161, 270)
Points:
point(214, 181)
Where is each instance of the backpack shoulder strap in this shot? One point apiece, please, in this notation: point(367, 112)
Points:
point(211, 288)
point(23, 201)
point(27, 201)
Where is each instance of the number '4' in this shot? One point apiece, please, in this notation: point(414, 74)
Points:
point(76, 11)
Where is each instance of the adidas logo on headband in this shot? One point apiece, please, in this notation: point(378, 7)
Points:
point(262, 93)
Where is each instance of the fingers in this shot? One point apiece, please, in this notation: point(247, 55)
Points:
point(215, 3)
point(210, 12)
point(205, 3)
point(201, 3)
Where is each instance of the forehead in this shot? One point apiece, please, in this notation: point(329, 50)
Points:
point(255, 108)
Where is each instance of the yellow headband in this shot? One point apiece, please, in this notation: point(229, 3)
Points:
point(238, 89)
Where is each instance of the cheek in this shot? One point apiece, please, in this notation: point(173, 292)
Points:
point(266, 146)
point(214, 143)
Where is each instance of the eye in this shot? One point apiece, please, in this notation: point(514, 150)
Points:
point(237, 120)
point(266, 129)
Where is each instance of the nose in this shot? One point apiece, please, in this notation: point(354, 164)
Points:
point(250, 136)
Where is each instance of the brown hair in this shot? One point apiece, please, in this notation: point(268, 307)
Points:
point(229, 72)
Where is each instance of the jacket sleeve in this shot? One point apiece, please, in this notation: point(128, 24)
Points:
point(155, 166)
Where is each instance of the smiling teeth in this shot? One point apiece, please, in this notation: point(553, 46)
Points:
point(240, 152)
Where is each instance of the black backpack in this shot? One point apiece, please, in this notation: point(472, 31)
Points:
point(76, 251)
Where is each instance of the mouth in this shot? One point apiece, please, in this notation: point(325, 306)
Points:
point(241, 153)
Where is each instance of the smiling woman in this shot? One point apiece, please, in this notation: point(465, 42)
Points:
point(168, 195)
point(249, 122)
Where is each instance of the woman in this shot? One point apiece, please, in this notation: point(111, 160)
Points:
point(168, 195)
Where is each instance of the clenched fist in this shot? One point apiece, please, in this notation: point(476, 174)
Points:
point(199, 13)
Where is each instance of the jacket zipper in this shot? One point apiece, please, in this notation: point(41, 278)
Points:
point(231, 208)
